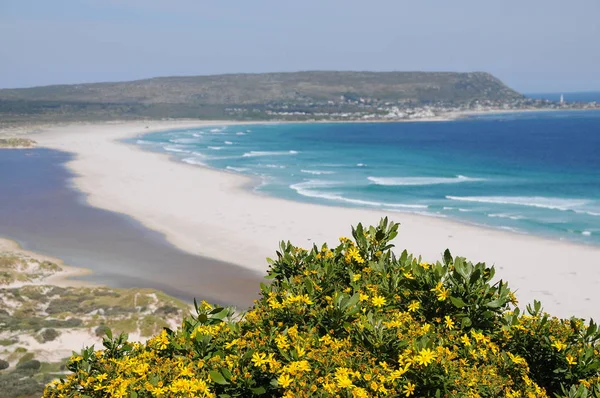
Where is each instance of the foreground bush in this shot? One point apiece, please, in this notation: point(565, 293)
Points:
point(355, 321)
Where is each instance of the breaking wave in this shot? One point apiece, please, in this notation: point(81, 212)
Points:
point(317, 172)
point(307, 189)
point(413, 181)
point(253, 154)
point(533, 201)
point(238, 169)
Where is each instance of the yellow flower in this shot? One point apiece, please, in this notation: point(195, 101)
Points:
point(425, 357)
point(378, 301)
point(449, 322)
point(356, 277)
point(102, 377)
point(284, 380)
point(300, 351)
point(414, 306)
point(232, 343)
point(281, 341)
point(363, 297)
point(259, 359)
point(425, 265)
point(344, 382)
point(163, 340)
point(559, 345)
point(442, 294)
point(353, 254)
point(571, 360)
point(409, 275)
point(465, 340)
point(409, 389)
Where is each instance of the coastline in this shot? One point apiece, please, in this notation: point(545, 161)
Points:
point(213, 214)
point(61, 278)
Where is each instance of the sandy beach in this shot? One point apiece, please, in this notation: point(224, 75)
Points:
point(214, 214)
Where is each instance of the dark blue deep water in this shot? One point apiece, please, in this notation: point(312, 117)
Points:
point(535, 173)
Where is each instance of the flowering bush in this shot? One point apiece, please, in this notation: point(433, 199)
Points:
point(354, 321)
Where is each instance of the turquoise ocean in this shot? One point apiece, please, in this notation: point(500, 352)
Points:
point(532, 172)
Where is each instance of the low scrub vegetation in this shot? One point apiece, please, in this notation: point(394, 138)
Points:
point(355, 321)
point(16, 143)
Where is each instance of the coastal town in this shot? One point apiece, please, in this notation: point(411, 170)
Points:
point(371, 109)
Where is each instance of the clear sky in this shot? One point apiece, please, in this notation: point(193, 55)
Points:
point(532, 45)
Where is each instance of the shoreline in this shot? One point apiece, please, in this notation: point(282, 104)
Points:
point(61, 278)
point(219, 217)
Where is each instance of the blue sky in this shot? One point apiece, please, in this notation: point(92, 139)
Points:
point(532, 45)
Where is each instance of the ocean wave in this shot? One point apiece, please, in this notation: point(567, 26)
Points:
point(173, 149)
point(531, 201)
point(589, 213)
point(306, 188)
point(413, 181)
point(142, 142)
point(197, 135)
point(273, 166)
point(317, 172)
point(511, 229)
point(502, 215)
point(240, 133)
point(216, 130)
point(184, 140)
point(215, 148)
point(228, 143)
point(586, 233)
point(361, 165)
point(238, 169)
point(253, 154)
point(194, 161)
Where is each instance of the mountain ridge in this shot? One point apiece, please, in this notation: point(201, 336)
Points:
point(212, 95)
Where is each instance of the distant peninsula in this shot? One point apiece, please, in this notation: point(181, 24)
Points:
point(314, 95)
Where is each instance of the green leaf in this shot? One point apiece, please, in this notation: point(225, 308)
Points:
point(496, 303)
point(351, 301)
point(226, 373)
point(458, 302)
point(258, 390)
point(220, 315)
point(217, 377)
point(447, 257)
point(133, 394)
point(466, 322)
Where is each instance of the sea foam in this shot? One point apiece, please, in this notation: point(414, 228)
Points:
point(317, 172)
point(174, 149)
point(238, 169)
point(413, 181)
point(194, 161)
point(307, 188)
point(253, 154)
point(532, 201)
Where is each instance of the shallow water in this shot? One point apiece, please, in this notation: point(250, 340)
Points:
point(40, 210)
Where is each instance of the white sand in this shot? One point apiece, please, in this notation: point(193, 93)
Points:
point(209, 212)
